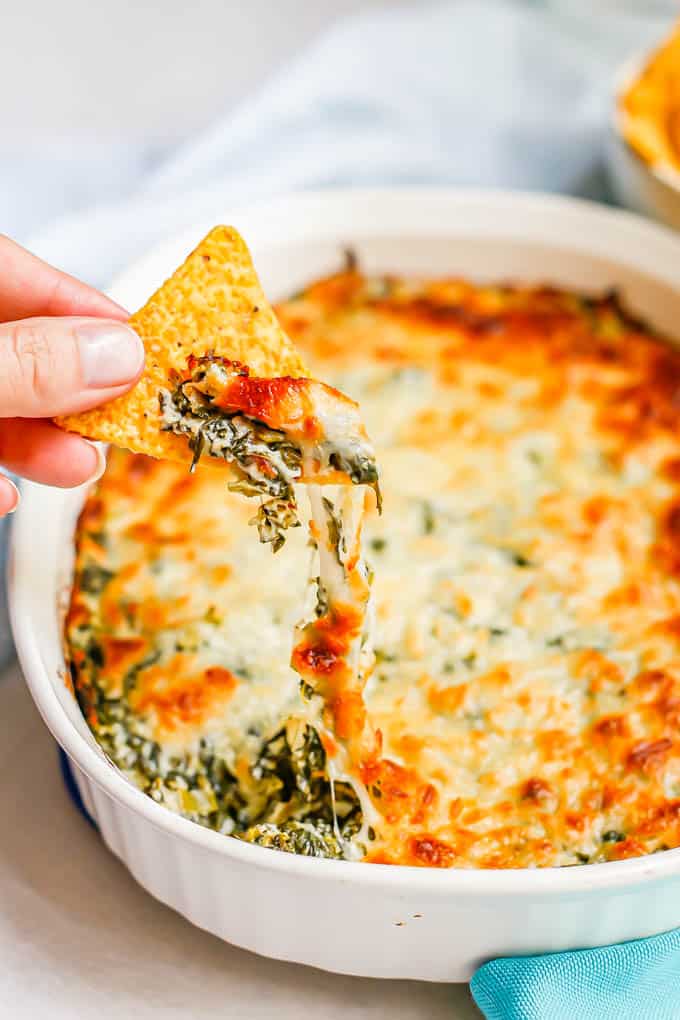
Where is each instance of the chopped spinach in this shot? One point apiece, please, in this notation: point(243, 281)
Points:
point(285, 801)
point(266, 462)
point(94, 578)
point(95, 653)
point(429, 519)
point(306, 838)
point(335, 533)
point(322, 607)
point(273, 518)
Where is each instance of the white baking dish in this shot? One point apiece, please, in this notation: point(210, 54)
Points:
point(360, 919)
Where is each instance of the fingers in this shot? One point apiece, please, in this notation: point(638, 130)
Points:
point(74, 353)
point(65, 365)
point(9, 496)
point(29, 286)
point(40, 451)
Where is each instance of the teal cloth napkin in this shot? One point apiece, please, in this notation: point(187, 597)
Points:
point(638, 980)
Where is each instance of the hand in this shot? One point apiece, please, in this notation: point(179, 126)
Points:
point(64, 347)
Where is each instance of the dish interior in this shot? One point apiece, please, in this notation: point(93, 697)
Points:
point(526, 590)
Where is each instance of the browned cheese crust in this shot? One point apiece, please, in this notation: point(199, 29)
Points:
point(527, 589)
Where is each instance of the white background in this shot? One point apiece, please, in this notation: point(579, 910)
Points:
point(149, 69)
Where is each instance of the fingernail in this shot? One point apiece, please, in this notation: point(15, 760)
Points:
point(101, 464)
point(17, 494)
point(111, 354)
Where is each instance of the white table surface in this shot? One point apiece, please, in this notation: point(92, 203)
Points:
point(80, 939)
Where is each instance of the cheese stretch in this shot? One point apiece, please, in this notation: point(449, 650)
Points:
point(274, 433)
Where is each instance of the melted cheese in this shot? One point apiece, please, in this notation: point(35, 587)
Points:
point(313, 434)
point(333, 651)
point(525, 699)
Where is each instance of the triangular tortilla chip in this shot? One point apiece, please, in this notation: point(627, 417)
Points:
point(213, 302)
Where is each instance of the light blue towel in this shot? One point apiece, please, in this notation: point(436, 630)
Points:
point(474, 92)
point(634, 981)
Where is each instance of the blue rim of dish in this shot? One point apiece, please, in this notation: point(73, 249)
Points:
point(72, 788)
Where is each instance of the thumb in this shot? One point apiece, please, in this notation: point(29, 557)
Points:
point(52, 366)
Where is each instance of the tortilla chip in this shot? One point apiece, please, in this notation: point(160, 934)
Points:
point(214, 302)
point(650, 107)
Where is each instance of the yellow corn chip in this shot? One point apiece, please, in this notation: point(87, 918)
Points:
point(650, 107)
point(213, 302)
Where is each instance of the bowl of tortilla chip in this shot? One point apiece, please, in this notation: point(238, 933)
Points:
point(643, 152)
